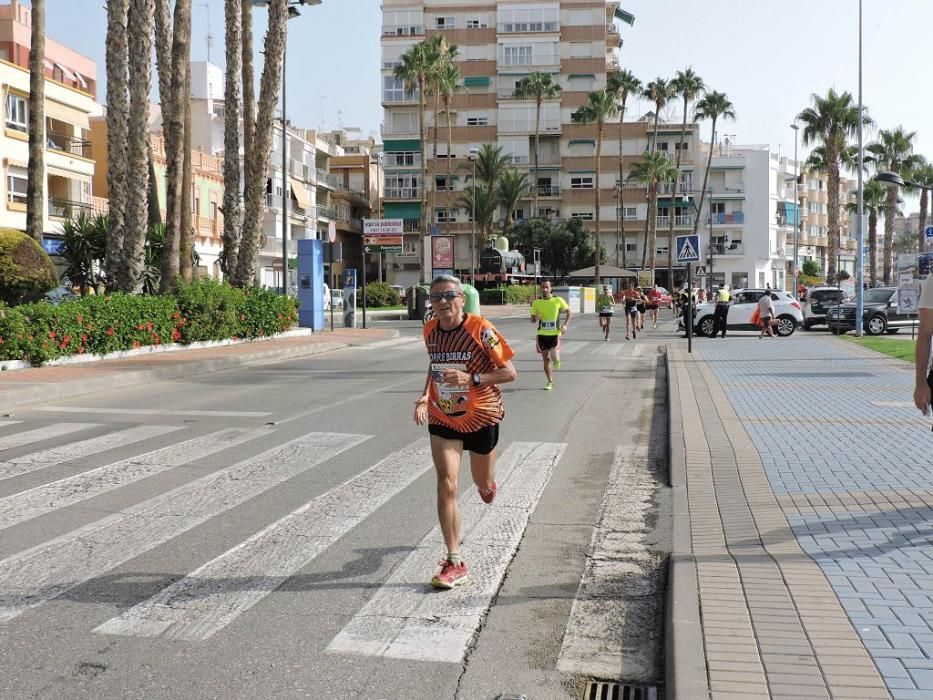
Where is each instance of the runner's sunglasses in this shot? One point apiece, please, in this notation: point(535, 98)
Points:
point(449, 295)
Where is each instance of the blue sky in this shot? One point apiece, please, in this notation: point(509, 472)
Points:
point(767, 57)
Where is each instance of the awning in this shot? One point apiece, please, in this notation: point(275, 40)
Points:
point(16, 163)
point(626, 17)
point(476, 81)
point(67, 72)
point(83, 83)
point(402, 210)
point(605, 271)
point(299, 193)
point(70, 174)
point(401, 145)
point(64, 113)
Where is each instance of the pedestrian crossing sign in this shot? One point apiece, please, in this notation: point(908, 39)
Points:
point(688, 248)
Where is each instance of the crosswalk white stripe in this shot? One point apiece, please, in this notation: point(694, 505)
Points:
point(83, 448)
point(615, 349)
point(569, 347)
point(156, 412)
point(391, 343)
point(9, 422)
point(200, 605)
point(403, 621)
point(46, 571)
point(47, 432)
point(65, 492)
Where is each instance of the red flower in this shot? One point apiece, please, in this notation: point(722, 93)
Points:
point(110, 331)
point(176, 335)
point(80, 318)
point(176, 315)
point(136, 344)
point(140, 327)
point(81, 350)
point(66, 340)
point(84, 337)
point(242, 317)
point(51, 334)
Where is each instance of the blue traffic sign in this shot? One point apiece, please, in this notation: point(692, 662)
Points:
point(688, 248)
point(929, 231)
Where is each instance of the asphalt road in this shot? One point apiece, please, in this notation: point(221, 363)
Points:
point(268, 532)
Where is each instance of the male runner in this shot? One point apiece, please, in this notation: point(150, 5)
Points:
point(630, 298)
point(604, 303)
point(546, 311)
point(654, 303)
point(462, 406)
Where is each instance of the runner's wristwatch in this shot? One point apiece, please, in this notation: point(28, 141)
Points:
point(476, 379)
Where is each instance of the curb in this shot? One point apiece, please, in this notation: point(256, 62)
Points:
point(684, 654)
point(44, 393)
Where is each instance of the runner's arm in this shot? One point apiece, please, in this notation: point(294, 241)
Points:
point(421, 405)
point(569, 316)
point(924, 338)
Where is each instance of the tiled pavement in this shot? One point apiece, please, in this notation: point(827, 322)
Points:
point(810, 488)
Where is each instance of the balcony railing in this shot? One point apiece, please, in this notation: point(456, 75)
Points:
point(730, 249)
point(681, 221)
point(402, 30)
point(411, 225)
point(547, 190)
point(737, 217)
point(527, 27)
point(543, 59)
point(611, 28)
point(68, 144)
point(668, 187)
point(325, 178)
point(326, 213)
point(393, 161)
point(403, 193)
point(68, 209)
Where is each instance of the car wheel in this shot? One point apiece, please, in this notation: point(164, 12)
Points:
point(706, 326)
point(786, 326)
point(807, 325)
point(892, 331)
point(876, 325)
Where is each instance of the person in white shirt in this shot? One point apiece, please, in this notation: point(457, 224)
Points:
point(765, 314)
point(924, 375)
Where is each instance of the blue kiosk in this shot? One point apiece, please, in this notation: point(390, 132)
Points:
point(311, 284)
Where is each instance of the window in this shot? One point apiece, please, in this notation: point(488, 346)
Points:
point(16, 112)
point(402, 185)
point(445, 22)
point(16, 185)
point(519, 214)
point(474, 24)
point(393, 90)
point(662, 146)
point(581, 50)
point(399, 122)
point(581, 182)
point(629, 214)
point(547, 213)
point(582, 215)
point(739, 280)
point(477, 121)
point(440, 184)
point(516, 55)
point(213, 210)
point(631, 247)
point(717, 207)
point(441, 215)
point(403, 158)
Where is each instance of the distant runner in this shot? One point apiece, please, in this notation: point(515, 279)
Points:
point(546, 311)
point(654, 303)
point(462, 406)
point(630, 298)
point(604, 303)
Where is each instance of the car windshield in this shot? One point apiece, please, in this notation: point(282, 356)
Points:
point(877, 296)
point(828, 295)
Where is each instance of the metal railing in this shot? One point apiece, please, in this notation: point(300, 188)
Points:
point(403, 193)
point(668, 187)
point(612, 28)
point(730, 249)
point(67, 209)
point(737, 217)
point(68, 144)
point(325, 178)
point(393, 161)
point(326, 213)
point(547, 190)
point(402, 30)
point(682, 221)
point(527, 27)
point(410, 225)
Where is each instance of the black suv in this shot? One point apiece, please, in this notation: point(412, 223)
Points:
point(880, 314)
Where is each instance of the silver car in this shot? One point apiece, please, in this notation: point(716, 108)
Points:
point(818, 303)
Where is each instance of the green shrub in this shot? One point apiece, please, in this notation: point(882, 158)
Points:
point(511, 294)
point(211, 310)
point(811, 268)
point(26, 272)
point(266, 312)
point(380, 294)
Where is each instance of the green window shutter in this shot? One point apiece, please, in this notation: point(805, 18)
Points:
point(402, 210)
point(476, 81)
point(591, 142)
point(402, 145)
point(626, 17)
point(582, 75)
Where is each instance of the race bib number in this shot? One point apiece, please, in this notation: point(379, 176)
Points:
point(606, 309)
point(451, 398)
point(548, 325)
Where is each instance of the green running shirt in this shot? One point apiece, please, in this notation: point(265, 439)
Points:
point(548, 311)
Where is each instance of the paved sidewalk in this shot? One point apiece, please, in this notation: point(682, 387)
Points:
point(42, 384)
point(803, 561)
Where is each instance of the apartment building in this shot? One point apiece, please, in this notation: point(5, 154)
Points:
point(70, 90)
point(500, 43)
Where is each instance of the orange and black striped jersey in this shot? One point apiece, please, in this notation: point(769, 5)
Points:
point(475, 346)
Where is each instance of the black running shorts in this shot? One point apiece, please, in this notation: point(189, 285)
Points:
point(482, 441)
point(547, 342)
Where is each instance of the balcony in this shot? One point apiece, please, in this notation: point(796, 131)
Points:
point(68, 144)
point(730, 249)
point(327, 213)
point(68, 209)
point(737, 217)
point(527, 27)
point(402, 193)
point(327, 180)
point(405, 161)
point(611, 28)
point(402, 30)
point(685, 188)
point(612, 63)
point(682, 221)
point(547, 190)
point(411, 225)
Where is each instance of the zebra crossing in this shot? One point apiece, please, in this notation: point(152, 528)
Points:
point(402, 618)
point(568, 346)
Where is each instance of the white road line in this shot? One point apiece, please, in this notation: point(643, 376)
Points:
point(155, 412)
point(47, 432)
point(404, 619)
point(46, 571)
point(9, 422)
point(73, 489)
point(599, 637)
point(892, 404)
point(615, 349)
point(391, 343)
point(83, 448)
point(207, 600)
point(569, 347)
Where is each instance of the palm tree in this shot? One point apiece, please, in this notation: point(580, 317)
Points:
point(657, 91)
point(600, 107)
point(415, 68)
point(491, 162)
point(688, 85)
point(35, 175)
point(922, 174)
point(892, 151)
point(117, 116)
point(254, 192)
point(622, 84)
point(831, 122)
point(231, 202)
point(483, 201)
point(714, 106)
point(652, 170)
point(448, 84)
point(249, 101)
point(874, 201)
point(513, 185)
point(443, 55)
point(539, 87)
point(139, 32)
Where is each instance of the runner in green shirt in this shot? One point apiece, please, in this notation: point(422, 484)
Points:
point(546, 312)
point(604, 303)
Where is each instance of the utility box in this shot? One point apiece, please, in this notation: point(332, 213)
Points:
point(311, 284)
point(588, 300)
point(571, 295)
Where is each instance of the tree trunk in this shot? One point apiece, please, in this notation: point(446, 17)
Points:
point(437, 108)
point(139, 37)
point(832, 156)
point(35, 182)
point(186, 241)
point(889, 214)
point(117, 116)
point(671, 212)
point(621, 183)
point(249, 100)
point(921, 234)
point(153, 215)
point(654, 138)
point(599, 147)
point(872, 245)
point(709, 163)
point(651, 240)
point(538, 101)
point(651, 224)
point(449, 145)
point(262, 143)
point(231, 202)
point(422, 108)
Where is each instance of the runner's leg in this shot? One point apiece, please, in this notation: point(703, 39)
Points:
point(483, 469)
point(447, 454)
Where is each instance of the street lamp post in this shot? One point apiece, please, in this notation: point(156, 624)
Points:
point(474, 153)
point(618, 194)
point(860, 204)
point(796, 129)
point(292, 13)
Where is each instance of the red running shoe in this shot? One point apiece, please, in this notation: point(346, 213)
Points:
point(450, 575)
point(488, 495)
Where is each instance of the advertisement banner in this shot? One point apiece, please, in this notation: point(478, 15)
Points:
point(381, 227)
point(442, 252)
point(382, 244)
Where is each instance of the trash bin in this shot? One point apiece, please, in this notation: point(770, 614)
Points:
point(471, 299)
point(417, 302)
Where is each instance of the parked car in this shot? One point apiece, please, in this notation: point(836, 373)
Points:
point(880, 314)
point(336, 298)
point(60, 294)
point(666, 301)
point(401, 291)
point(818, 302)
point(744, 303)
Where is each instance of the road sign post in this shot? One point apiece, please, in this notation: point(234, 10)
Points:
point(688, 251)
point(689, 312)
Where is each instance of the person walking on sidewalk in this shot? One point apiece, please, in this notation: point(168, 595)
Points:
point(546, 312)
point(924, 378)
point(604, 304)
point(765, 314)
point(462, 405)
point(721, 313)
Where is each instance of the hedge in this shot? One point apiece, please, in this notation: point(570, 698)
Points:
point(201, 310)
point(512, 294)
point(26, 272)
point(380, 294)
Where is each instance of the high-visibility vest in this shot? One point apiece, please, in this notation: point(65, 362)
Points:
point(724, 296)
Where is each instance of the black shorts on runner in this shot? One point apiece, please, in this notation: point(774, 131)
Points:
point(482, 441)
point(641, 308)
point(605, 314)
point(547, 342)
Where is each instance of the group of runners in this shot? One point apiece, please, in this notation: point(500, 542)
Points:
point(462, 404)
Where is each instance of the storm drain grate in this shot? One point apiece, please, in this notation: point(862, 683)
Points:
point(603, 690)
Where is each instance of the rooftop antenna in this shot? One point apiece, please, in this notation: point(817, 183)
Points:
point(339, 120)
point(321, 125)
point(210, 37)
